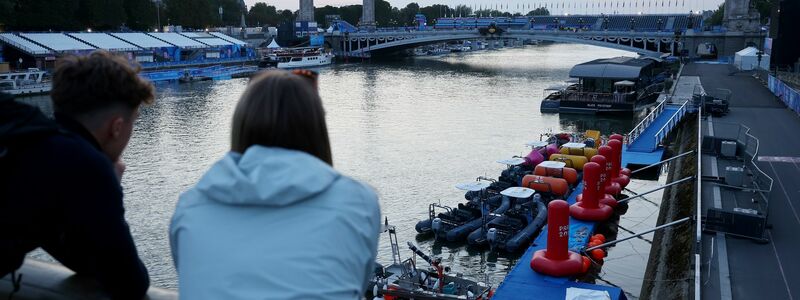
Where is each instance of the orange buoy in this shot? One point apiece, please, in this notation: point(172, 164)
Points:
point(585, 151)
point(597, 254)
point(586, 264)
point(593, 243)
point(572, 161)
point(569, 174)
point(600, 237)
point(555, 186)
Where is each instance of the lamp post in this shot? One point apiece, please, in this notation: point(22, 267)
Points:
point(158, 14)
point(220, 16)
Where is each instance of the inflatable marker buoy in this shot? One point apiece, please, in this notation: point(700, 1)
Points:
point(585, 151)
point(572, 161)
point(625, 171)
point(605, 198)
point(597, 255)
point(616, 147)
point(600, 237)
point(587, 263)
point(611, 187)
point(568, 174)
point(542, 184)
point(589, 208)
point(557, 260)
point(534, 158)
point(617, 136)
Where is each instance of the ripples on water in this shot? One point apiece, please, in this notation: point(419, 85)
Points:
point(412, 129)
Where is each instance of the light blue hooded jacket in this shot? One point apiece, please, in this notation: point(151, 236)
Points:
point(274, 224)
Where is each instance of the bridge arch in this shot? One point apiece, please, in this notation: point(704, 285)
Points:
point(367, 44)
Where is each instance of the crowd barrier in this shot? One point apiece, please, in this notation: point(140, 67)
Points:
point(787, 94)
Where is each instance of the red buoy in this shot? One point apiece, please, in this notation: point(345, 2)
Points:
point(617, 136)
point(557, 260)
point(605, 197)
point(625, 171)
point(616, 147)
point(611, 187)
point(589, 208)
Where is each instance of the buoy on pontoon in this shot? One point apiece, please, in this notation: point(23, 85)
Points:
point(590, 208)
point(557, 260)
point(611, 187)
point(616, 147)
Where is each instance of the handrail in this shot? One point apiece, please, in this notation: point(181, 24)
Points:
point(670, 123)
point(636, 131)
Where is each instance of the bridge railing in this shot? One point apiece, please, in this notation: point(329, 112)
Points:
point(676, 117)
point(637, 131)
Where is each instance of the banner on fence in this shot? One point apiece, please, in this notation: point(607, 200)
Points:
point(788, 95)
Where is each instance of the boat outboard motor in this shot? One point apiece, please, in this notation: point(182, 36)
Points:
point(491, 236)
point(436, 225)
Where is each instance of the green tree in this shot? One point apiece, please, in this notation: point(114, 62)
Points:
point(716, 17)
point(351, 13)
point(140, 14)
point(541, 11)
point(100, 14)
point(190, 13)
point(406, 16)
point(231, 12)
point(7, 13)
point(383, 13)
point(263, 14)
point(321, 12)
point(46, 15)
point(463, 10)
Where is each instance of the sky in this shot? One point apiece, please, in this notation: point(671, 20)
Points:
point(573, 6)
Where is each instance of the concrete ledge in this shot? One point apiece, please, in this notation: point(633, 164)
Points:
point(43, 280)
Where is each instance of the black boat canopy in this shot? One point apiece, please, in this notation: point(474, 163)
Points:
point(613, 68)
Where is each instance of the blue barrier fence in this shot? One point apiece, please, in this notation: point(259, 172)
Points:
point(787, 94)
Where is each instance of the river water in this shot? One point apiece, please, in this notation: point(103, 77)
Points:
point(412, 129)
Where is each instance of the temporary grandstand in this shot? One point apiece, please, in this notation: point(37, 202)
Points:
point(154, 49)
point(652, 23)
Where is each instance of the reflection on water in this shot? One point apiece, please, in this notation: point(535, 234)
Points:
point(411, 129)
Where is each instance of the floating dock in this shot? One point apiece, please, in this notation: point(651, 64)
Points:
point(642, 148)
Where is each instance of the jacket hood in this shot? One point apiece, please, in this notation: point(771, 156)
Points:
point(19, 120)
point(266, 176)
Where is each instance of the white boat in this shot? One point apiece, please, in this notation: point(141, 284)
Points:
point(31, 82)
point(297, 58)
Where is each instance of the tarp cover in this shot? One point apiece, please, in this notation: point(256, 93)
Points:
point(747, 59)
point(273, 45)
point(616, 68)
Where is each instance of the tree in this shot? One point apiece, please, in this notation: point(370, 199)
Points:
point(716, 17)
point(541, 11)
point(231, 12)
point(100, 14)
point(383, 13)
point(7, 13)
point(263, 14)
point(463, 10)
point(190, 13)
point(140, 14)
point(406, 16)
point(351, 13)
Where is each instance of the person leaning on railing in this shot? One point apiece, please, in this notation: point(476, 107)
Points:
point(60, 180)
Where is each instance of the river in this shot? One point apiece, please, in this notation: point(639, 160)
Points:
point(411, 129)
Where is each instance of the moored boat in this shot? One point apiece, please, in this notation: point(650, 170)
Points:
point(620, 85)
point(30, 82)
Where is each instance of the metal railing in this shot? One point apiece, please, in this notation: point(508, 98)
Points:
point(676, 117)
point(642, 126)
point(698, 235)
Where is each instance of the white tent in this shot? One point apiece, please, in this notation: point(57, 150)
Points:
point(747, 59)
point(273, 45)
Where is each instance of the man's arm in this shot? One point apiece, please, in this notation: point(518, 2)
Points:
point(96, 240)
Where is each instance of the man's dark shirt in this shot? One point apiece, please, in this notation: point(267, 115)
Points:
point(59, 192)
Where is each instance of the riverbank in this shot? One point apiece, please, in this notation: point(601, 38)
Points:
point(669, 268)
